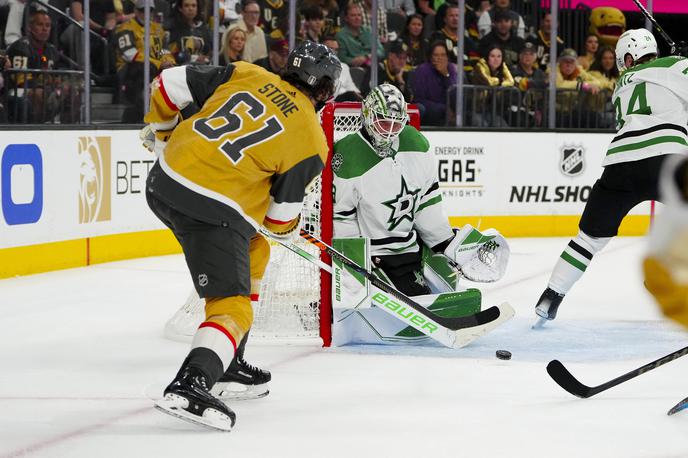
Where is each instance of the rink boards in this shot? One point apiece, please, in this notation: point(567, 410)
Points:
point(76, 197)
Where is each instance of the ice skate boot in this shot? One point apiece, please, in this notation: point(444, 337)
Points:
point(242, 381)
point(188, 398)
point(547, 307)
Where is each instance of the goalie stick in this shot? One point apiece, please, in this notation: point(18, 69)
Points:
point(567, 381)
point(646, 13)
point(473, 326)
point(681, 405)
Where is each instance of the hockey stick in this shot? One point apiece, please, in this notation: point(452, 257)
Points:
point(681, 405)
point(479, 319)
point(567, 381)
point(661, 31)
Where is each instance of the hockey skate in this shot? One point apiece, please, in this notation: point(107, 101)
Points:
point(242, 381)
point(188, 398)
point(547, 307)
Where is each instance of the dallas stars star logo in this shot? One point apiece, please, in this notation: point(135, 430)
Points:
point(403, 205)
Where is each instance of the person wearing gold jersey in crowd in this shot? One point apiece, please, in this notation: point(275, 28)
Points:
point(130, 59)
point(242, 161)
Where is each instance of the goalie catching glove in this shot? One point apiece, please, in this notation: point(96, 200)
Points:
point(481, 256)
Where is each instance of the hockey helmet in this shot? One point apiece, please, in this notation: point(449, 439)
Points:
point(314, 66)
point(636, 42)
point(383, 116)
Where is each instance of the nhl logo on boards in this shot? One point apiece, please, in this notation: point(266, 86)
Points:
point(202, 280)
point(572, 161)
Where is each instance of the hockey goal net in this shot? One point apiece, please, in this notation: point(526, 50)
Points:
point(294, 300)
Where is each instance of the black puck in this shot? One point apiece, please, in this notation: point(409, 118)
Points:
point(503, 354)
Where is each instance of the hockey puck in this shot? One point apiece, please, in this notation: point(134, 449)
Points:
point(503, 354)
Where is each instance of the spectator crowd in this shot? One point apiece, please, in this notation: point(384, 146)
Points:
point(505, 72)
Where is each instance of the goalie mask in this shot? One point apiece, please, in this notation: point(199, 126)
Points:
point(383, 116)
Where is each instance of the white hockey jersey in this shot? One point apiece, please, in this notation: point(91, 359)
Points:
point(391, 201)
point(651, 102)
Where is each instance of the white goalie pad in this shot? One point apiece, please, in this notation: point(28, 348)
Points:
point(481, 256)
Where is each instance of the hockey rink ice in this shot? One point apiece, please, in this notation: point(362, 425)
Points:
point(82, 354)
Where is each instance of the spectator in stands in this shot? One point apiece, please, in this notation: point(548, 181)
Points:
point(367, 8)
point(470, 17)
point(504, 37)
point(448, 34)
point(103, 20)
point(130, 60)
point(604, 69)
point(487, 21)
point(314, 23)
point(392, 70)
point(233, 42)
point(483, 7)
point(330, 10)
point(413, 37)
point(34, 97)
point(346, 89)
point(491, 71)
point(431, 83)
point(256, 41)
point(355, 41)
point(542, 42)
point(274, 19)
point(405, 7)
point(277, 57)
point(190, 37)
point(532, 80)
point(592, 44)
point(525, 72)
point(572, 81)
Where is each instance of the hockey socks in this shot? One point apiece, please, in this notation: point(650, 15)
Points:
point(574, 260)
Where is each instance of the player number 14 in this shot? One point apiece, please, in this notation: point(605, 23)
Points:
point(636, 105)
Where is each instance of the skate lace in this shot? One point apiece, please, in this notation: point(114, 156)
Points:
point(248, 367)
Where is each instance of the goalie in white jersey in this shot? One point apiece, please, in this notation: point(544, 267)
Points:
point(386, 193)
point(651, 101)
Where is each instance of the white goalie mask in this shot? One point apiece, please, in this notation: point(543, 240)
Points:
point(636, 42)
point(383, 116)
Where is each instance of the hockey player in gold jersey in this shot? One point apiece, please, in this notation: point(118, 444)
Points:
point(242, 161)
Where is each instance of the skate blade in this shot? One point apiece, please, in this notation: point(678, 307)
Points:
point(175, 406)
point(682, 405)
point(229, 392)
point(540, 323)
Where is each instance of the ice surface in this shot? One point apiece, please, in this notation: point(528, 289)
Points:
point(82, 353)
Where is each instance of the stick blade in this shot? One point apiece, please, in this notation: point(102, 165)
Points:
point(567, 381)
point(682, 405)
point(470, 321)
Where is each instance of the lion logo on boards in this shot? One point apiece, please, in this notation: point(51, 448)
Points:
point(94, 179)
point(572, 160)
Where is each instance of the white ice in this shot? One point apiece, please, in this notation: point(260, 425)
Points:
point(82, 354)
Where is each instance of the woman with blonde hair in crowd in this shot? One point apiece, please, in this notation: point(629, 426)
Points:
point(592, 44)
point(233, 42)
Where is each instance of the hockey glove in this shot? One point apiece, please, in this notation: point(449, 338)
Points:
point(153, 141)
point(481, 257)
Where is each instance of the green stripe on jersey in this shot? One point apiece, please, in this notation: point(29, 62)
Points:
point(573, 261)
point(646, 143)
point(433, 201)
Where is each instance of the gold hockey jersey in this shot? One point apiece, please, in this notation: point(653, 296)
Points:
point(253, 146)
point(130, 40)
